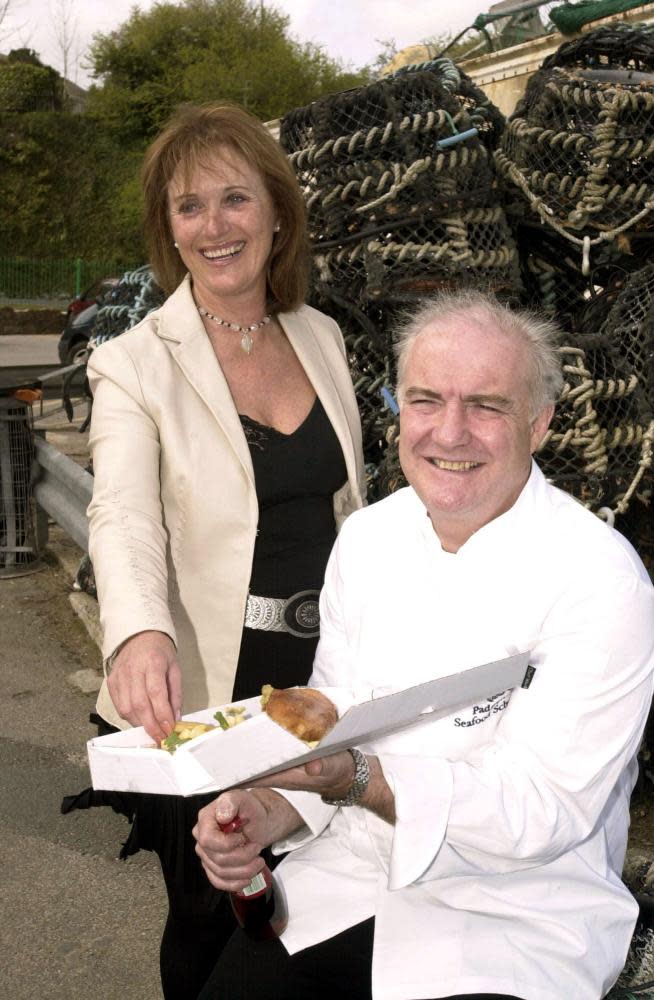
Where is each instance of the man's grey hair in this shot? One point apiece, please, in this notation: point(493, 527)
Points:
point(540, 336)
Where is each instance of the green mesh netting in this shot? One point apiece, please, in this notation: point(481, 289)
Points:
point(570, 17)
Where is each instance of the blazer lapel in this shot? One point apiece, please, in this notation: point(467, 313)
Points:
point(306, 345)
point(182, 327)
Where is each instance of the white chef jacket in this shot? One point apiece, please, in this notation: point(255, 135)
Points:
point(502, 871)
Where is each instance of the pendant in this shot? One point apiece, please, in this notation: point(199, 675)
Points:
point(247, 342)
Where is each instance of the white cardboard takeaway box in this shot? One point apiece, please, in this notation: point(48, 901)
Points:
point(127, 761)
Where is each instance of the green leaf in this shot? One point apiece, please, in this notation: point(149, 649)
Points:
point(204, 50)
point(221, 720)
point(172, 742)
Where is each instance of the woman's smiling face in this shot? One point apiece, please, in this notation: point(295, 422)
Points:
point(222, 220)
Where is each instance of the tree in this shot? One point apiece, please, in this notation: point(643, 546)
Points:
point(24, 55)
point(387, 52)
point(55, 204)
point(203, 50)
point(7, 8)
point(27, 85)
point(64, 23)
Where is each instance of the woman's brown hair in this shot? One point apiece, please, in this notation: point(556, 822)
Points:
point(192, 138)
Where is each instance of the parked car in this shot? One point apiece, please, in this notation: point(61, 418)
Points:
point(80, 320)
point(92, 294)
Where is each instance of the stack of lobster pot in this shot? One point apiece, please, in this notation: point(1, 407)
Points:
point(577, 158)
point(136, 295)
point(403, 200)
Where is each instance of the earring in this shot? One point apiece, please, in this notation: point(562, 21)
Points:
point(176, 245)
point(276, 229)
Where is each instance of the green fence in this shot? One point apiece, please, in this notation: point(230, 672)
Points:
point(44, 278)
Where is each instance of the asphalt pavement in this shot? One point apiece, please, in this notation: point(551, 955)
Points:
point(26, 358)
point(78, 924)
point(28, 349)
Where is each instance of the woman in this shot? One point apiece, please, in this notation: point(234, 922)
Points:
point(227, 450)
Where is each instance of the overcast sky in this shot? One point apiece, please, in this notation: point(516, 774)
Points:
point(348, 30)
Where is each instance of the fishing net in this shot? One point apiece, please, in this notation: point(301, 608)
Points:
point(636, 981)
point(402, 200)
point(135, 295)
point(368, 342)
point(600, 444)
point(400, 186)
point(578, 156)
point(570, 17)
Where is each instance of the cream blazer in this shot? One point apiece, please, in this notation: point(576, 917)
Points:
point(174, 513)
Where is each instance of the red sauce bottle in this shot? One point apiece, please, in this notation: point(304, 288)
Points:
point(260, 907)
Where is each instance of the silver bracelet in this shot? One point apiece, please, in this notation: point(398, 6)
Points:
point(359, 784)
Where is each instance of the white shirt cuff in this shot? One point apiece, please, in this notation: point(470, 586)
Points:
point(423, 790)
point(317, 815)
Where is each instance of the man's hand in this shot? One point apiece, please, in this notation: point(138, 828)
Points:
point(231, 860)
point(145, 683)
point(333, 776)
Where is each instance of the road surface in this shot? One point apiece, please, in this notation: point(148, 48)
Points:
point(78, 924)
point(29, 349)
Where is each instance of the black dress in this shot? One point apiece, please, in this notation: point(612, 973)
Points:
point(296, 476)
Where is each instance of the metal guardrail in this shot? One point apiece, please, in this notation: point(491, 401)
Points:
point(59, 486)
point(63, 489)
point(13, 377)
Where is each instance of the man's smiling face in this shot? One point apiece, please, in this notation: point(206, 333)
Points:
point(466, 430)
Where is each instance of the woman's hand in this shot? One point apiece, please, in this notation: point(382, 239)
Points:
point(145, 683)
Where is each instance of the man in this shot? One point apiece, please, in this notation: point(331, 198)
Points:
point(478, 855)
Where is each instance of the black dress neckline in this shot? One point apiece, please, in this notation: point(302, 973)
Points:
point(244, 417)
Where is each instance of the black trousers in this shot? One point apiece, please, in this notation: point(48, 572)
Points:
point(200, 919)
point(339, 967)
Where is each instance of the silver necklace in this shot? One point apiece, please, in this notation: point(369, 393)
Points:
point(246, 340)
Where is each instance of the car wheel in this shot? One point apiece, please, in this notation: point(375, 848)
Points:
point(77, 352)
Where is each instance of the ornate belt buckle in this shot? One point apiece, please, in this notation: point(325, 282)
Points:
point(301, 615)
